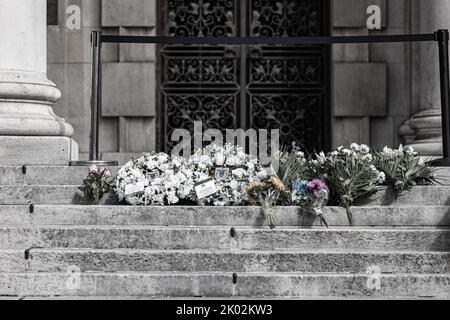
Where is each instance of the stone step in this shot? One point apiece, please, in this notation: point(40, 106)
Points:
point(69, 194)
point(59, 175)
point(150, 298)
point(420, 196)
point(88, 260)
point(172, 284)
point(47, 194)
point(443, 173)
point(220, 238)
point(20, 215)
point(41, 175)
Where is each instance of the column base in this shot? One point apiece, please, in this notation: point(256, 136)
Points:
point(427, 147)
point(48, 151)
point(26, 105)
point(427, 127)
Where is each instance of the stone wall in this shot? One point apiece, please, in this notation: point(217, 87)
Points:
point(372, 82)
point(128, 123)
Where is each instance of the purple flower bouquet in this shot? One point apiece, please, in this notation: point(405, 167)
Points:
point(311, 195)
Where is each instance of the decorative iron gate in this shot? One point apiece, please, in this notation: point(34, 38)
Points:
point(260, 87)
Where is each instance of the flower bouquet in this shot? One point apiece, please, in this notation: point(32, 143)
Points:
point(274, 189)
point(404, 168)
point(98, 182)
point(350, 173)
point(267, 193)
point(312, 196)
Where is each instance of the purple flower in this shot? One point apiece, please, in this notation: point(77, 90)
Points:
point(317, 185)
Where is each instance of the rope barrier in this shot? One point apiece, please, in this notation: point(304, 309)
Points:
point(441, 37)
point(268, 40)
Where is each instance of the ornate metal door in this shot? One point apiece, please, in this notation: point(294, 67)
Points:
point(267, 87)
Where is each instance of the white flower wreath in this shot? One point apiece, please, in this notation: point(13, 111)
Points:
point(231, 170)
point(154, 179)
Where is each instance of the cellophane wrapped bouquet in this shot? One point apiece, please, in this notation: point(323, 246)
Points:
point(311, 195)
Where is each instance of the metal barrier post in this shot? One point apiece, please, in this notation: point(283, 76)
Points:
point(96, 98)
point(442, 38)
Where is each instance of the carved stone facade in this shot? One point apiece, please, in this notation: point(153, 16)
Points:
point(147, 92)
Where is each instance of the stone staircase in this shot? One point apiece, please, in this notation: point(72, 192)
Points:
point(52, 244)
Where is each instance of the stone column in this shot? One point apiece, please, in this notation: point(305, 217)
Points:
point(30, 132)
point(427, 124)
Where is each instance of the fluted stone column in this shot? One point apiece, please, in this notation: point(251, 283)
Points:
point(427, 124)
point(30, 132)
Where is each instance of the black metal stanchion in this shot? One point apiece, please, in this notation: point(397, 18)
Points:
point(442, 38)
point(96, 96)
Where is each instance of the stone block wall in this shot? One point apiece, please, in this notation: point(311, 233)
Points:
point(372, 82)
point(129, 77)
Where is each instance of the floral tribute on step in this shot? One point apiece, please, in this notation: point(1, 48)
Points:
point(154, 179)
point(227, 176)
point(228, 170)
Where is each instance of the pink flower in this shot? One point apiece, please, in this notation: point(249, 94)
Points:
point(106, 172)
point(317, 185)
point(96, 169)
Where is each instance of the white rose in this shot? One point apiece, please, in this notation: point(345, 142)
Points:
point(219, 158)
point(364, 148)
point(355, 147)
point(232, 161)
point(172, 198)
point(239, 173)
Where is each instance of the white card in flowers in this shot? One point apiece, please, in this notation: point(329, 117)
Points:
point(135, 188)
point(152, 176)
point(205, 188)
point(221, 174)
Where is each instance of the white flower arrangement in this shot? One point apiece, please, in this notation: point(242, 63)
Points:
point(230, 168)
point(400, 152)
point(404, 168)
point(225, 176)
point(358, 154)
point(351, 174)
point(154, 179)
